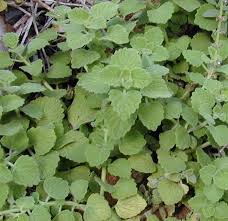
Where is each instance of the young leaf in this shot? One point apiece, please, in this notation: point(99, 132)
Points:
point(79, 189)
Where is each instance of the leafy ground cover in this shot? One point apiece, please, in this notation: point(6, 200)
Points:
point(117, 112)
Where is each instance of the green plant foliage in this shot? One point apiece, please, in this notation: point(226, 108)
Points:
point(125, 119)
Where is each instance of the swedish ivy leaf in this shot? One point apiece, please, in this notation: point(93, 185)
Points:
point(201, 41)
point(124, 188)
point(126, 58)
point(142, 162)
point(96, 22)
point(79, 189)
point(26, 202)
point(220, 179)
point(202, 157)
point(84, 108)
point(78, 15)
point(198, 202)
point(189, 115)
point(205, 23)
point(117, 34)
point(120, 167)
point(125, 103)
point(56, 188)
point(166, 140)
point(6, 77)
point(116, 126)
point(219, 133)
point(208, 211)
point(26, 171)
point(93, 82)
point(127, 7)
point(140, 78)
point(33, 110)
point(34, 68)
point(147, 110)
point(207, 173)
point(5, 60)
point(10, 128)
point(132, 143)
point(170, 192)
point(193, 57)
point(42, 138)
point(5, 174)
point(28, 88)
point(3, 5)
point(59, 70)
point(77, 40)
point(173, 109)
point(221, 210)
point(65, 215)
point(18, 141)
point(212, 193)
point(189, 5)
point(154, 35)
point(10, 40)
point(75, 151)
point(130, 207)
point(161, 14)
point(159, 54)
point(11, 102)
point(96, 156)
point(97, 208)
point(104, 9)
point(40, 212)
point(35, 45)
point(183, 139)
point(82, 57)
point(202, 102)
point(48, 164)
point(49, 34)
point(157, 89)
point(4, 191)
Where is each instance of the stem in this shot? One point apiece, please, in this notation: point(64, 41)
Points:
point(64, 203)
point(103, 178)
point(9, 212)
point(48, 86)
point(217, 39)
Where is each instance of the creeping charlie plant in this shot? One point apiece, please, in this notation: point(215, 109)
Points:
point(126, 118)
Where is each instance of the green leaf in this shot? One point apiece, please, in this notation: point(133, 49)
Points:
point(166, 140)
point(205, 23)
point(151, 114)
point(5, 174)
point(56, 188)
point(219, 133)
point(59, 70)
point(77, 39)
point(183, 139)
point(96, 156)
point(154, 35)
point(125, 103)
point(6, 77)
point(82, 57)
point(3, 5)
point(26, 202)
point(142, 162)
point(130, 207)
point(120, 167)
point(48, 164)
point(104, 9)
point(194, 57)
point(34, 68)
point(10, 128)
point(78, 15)
point(11, 102)
point(26, 171)
point(207, 173)
point(4, 191)
point(10, 39)
point(213, 193)
point(65, 215)
point(189, 115)
point(220, 179)
point(170, 192)
point(35, 45)
point(126, 58)
point(161, 14)
point(117, 34)
point(157, 89)
point(40, 212)
point(130, 6)
point(201, 42)
point(28, 88)
point(132, 143)
point(189, 5)
point(5, 60)
point(42, 138)
point(97, 208)
point(221, 210)
point(79, 189)
point(124, 188)
point(173, 109)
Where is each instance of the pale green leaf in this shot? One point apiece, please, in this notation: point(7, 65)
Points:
point(120, 167)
